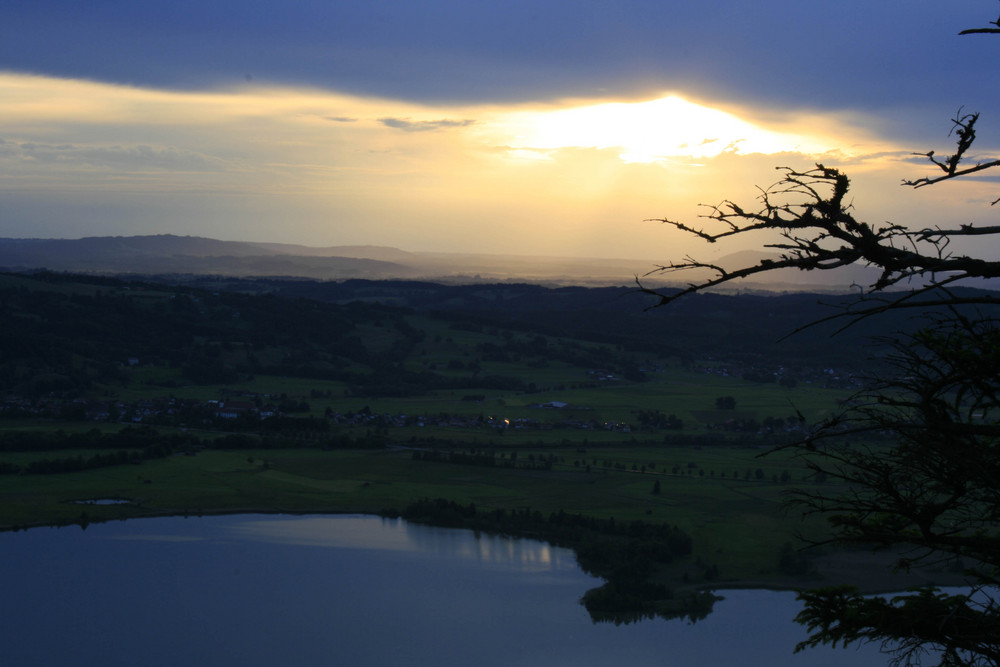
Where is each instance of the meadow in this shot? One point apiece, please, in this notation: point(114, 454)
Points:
point(723, 489)
point(117, 391)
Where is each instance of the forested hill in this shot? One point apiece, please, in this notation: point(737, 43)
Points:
point(61, 331)
point(702, 325)
point(166, 253)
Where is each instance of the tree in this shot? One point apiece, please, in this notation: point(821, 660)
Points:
point(916, 453)
point(725, 403)
point(932, 494)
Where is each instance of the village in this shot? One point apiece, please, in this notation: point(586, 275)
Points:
point(239, 411)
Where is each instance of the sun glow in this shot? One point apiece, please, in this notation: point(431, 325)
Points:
point(565, 178)
point(658, 130)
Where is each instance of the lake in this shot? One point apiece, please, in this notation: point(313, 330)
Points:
point(346, 590)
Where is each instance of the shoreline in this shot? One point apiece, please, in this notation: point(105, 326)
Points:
point(868, 571)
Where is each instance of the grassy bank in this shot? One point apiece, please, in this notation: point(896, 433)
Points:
point(714, 494)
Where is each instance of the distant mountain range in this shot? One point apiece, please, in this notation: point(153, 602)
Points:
point(168, 254)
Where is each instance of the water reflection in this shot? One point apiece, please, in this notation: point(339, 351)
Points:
point(366, 532)
point(160, 538)
point(342, 532)
point(491, 550)
point(103, 501)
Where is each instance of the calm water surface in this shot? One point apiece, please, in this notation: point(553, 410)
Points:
point(345, 590)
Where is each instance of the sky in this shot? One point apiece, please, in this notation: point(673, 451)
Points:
point(552, 127)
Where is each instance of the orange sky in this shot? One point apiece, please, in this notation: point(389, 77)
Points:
point(573, 177)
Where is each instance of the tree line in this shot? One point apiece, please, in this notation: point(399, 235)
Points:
point(624, 553)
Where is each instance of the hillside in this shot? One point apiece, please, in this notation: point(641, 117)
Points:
point(306, 396)
point(168, 254)
point(64, 331)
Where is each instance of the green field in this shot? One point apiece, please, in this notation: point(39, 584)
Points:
point(467, 385)
point(737, 524)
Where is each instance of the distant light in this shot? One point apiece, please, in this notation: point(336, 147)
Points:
point(653, 131)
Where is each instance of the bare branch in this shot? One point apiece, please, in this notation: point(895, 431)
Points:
point(964, 127)
point(817, 230)
point(963, 230)
point(915, 456)
point(979, 31)
point(921, 182)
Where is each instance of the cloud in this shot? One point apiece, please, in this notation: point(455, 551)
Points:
point(423, 125)
point(137, 157)
point(491, 52)
point(305, 165)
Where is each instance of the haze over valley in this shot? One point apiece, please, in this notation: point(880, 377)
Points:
point(169, 254)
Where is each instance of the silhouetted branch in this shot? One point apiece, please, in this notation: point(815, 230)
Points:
point(818, 231)
point(965, 129)
point(915, 456)
point(979, 31)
